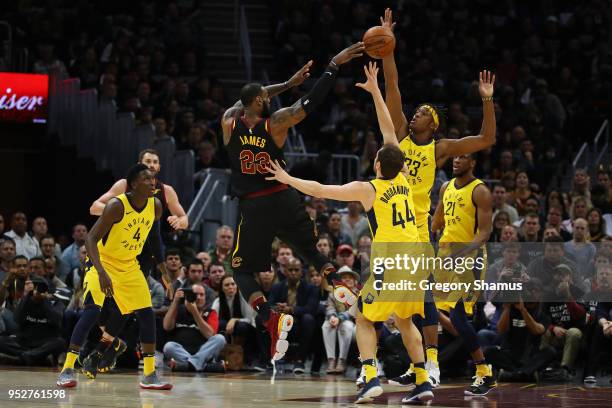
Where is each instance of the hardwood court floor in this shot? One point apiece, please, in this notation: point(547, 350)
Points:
point(288, 390)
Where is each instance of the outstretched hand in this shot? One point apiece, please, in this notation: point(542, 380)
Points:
point(371, 83)
point(300, 76)
point(387, 20)
point(485, 84)
point(278, 173)
point(349, 53)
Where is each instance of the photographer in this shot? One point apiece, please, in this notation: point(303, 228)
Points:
point(601, 330)
point(194, 343)
point(38, 337)
point(520, 327)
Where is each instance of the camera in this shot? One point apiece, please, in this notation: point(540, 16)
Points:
point(40, 286)
point(190, 295)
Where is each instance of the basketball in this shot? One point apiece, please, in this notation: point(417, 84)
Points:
point(379, 41)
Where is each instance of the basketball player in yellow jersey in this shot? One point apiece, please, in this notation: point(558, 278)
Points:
point(388, 201)
point(113, 244)
point(424, 155)
point(464, 214)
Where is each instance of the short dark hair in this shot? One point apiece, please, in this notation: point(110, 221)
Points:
point(145, 151)
point(196, 262)
point(391, 160)
point(249, 92)
point(48, 236)
point(554, 239)
point(36, 258)
point(532, 215)
point(20, 257)
point(133, 173)
point(4, 239)
point(217, 264)
point(500, 185)
point(172, 252)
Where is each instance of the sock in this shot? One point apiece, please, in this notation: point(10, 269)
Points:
point(149, 363)
point(482, 369)
point(432, 354)
point(411, 368)
point(104, 344)
point(370, 369)
point(421, 373)
point(71, 357)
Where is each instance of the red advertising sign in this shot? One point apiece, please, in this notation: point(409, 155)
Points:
point(23, 98)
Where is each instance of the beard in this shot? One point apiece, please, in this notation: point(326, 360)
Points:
point(459, 173)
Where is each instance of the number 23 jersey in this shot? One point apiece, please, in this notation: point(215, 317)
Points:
point(392, 216)
point(127, 236)
point(250, 151)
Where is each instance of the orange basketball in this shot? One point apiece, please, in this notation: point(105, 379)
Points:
point(379, 41)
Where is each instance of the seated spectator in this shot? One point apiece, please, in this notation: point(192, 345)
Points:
point(567, 318)
point(345, 256)
point(223, 247)
point(543, 266)
point(325, 246)
point(531, 228)
point(283, 254)
point(192, 329)
point(554, 217)
point(334, 230)
point(70, 256)
point(174, 268)
point(158, 296)
point(500, 203)
point(581, 185)
point(215, 275)
point(500, 220)
point(521, 326)
point(47, 247)
point(300, 299)
point(54, 281)
point(508, 266)
point(354, 224)
point(40, 230)
point(76, 275)
point(580, 250)
point(38, 339)
point(266, 280)
point(578, 209)
point(597, 225)
point(509, 234)
point(206, 158)
point(323, 289)
point(24, 244)
point(550, 232)
point(195, 276)
point(320, 205)
point(206, 260)
point(362, 259)
point(339, 324)
point(532, 205)
point(601, 344)
point(521, 193)
point(7, 254)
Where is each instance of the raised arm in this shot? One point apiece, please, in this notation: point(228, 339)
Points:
point(283, 119)
point(98, 206)
point(447, 148)
point(384, 117)
point(354, 191)
point(393, 98)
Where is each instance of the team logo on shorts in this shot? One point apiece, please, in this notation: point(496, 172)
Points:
point(369, 299)
point(236, 262)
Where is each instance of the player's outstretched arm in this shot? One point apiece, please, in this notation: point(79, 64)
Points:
point(283, 119)
point(447, 148)
point(296, 80)
point(178, 219)
point(384, 118)
point(113, 212)
point(437, 222)
point(393, 97)
point(354, 191)
point(97, 207)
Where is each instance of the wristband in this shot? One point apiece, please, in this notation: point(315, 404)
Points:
point(488, 98)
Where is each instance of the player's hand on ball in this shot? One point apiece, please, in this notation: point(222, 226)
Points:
point(105, 284)
point(485, 84)
point(371, 83)
point(387, 20)
point(278, 173)
point(347, 54)
point(299, 77)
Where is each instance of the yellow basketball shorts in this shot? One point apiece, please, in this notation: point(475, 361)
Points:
point(381, 311)
point(423, 230)
point(130, 289)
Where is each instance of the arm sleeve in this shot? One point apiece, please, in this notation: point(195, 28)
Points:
point(321, 88)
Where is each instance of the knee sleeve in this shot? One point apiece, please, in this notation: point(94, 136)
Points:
point(464, 327)
point(88, 319)
point(146, 321)
point(431, 314)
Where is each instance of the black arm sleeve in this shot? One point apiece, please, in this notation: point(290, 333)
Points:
point(156, 243)
point(321, 88)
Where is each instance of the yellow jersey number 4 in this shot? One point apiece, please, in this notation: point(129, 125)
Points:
point(398, 219)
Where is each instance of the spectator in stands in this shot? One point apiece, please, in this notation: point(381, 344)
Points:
point(578, 209)
point(597, 225)
point(554, 219)
point(506, 164)
point(38, 337)
point(521, 326)
point(531, 228)
point(320, 204)
point(566, 317)
point(40, 229)
point(7, 254)
point(550, 232)
point(323, 289)
point(2, 226)
point(158, 296)
point(47, 63)
point(266, 280)
point(11, 291)
point(500, 220)
point(161, 133)
point(223, 247)
point(339, 324)
point(543, 267)
point(192, 329)
point(362, 259)
point(215, 276)
point(47, 247)
point(601, 344)
point(50, 275)
point(195, 276)
point(521, 193)
point(24, 244)
point(500, 204)
point(601, 198)
point(298, 298)
point(325, 246)
point(334, 230)
point(75, 277)
point(283, 254)
point(345, 256)
point(581, 185)
point(532, 205)
point(207, 157)
point(580, 250)
point(509, 234)
point(354, 224)
point(70, 256)
point(206, 260)
point(509, 266)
